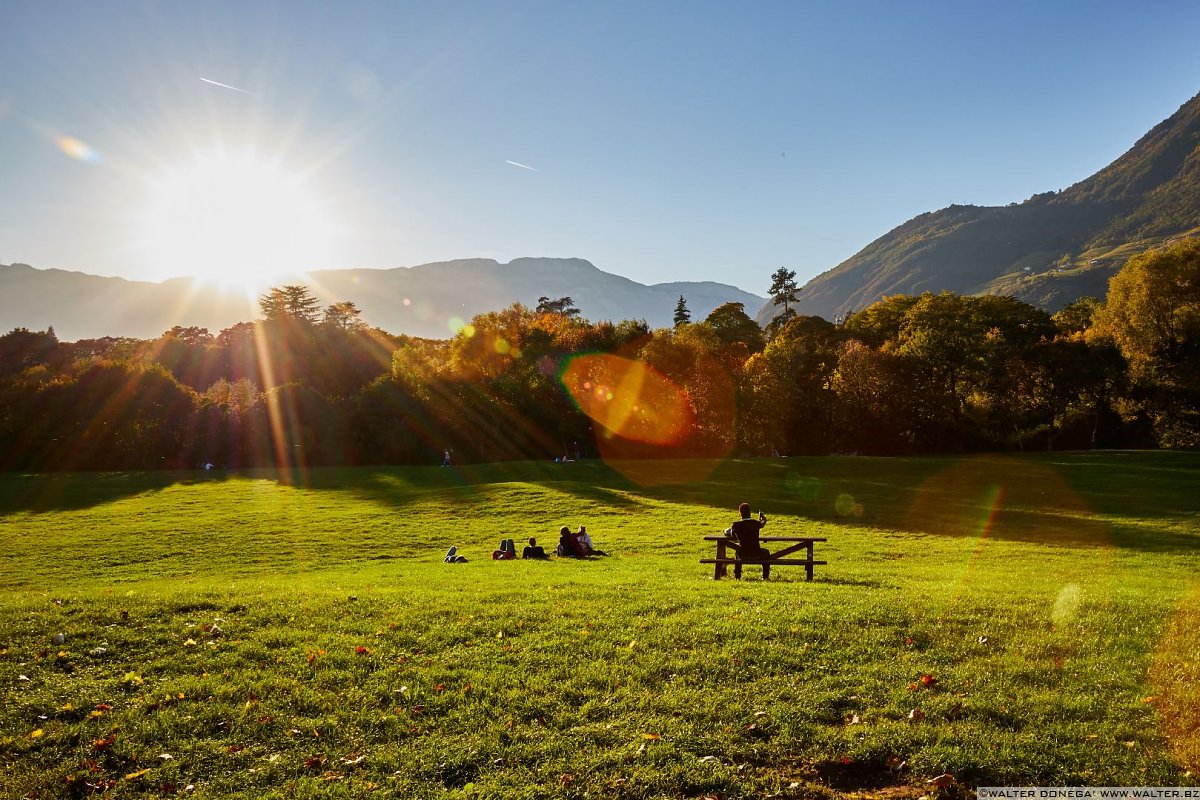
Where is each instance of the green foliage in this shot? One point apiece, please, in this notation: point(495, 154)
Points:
point(1077, 316)
point(282, 634)
point(735, 328)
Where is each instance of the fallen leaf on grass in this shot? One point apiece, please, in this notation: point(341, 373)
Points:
point(353, 759)
point(22, 677)
point(927, 680)
point(104, 743)
point(37, 734)
point(916, 715)
point(1149, 698)
point(566, 779)
point(652, 736)
point(133, 776)
point(851, 719)
point(941, 781)
point(190, 643)
point(313, 762)
point(362, 650)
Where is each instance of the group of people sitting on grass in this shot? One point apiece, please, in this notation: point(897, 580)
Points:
point(743, 533)
point(570, 545)
point(576, 545)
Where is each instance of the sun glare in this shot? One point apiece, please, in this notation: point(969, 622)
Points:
point(235, 219)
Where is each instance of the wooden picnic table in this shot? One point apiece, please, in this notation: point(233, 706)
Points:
point(722, 561)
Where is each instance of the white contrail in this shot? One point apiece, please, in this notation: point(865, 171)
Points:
point(225, 86)
point(522, 166)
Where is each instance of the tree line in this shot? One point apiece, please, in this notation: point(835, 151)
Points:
point(936, 373)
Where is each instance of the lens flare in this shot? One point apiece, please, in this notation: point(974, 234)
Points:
point(77, 149)
point(1066, 605)
point(628, 398)
point(805, 488)
point(1175, 679)
point(992, 498)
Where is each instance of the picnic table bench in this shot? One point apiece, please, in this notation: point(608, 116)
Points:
point(722, 561)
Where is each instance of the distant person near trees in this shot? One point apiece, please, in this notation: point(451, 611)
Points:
point(745, 532)
point(446, 462)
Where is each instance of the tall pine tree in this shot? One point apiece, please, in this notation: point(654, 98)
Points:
point(682, 315)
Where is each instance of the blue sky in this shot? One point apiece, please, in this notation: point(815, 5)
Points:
point(669, 140)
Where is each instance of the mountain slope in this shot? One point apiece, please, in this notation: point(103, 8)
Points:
point(1049, 250)
point(423, 300)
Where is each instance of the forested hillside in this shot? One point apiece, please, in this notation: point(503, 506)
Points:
point(306, 385)
point(1049, 250)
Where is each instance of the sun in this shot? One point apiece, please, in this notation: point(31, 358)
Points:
point(237, 219)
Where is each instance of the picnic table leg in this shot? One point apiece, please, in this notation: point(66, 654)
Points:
point(719, 568)
point(808, 568)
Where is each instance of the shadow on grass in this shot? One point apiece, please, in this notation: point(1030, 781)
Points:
point(70, 491)
point(1077, 500)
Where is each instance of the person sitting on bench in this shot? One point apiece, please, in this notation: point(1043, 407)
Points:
point(744, 533)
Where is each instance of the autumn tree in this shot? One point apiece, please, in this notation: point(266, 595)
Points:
point(1153, 314)
point(344, 316)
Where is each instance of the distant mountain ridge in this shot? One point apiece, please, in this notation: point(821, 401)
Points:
point(1048, 250)
point(423, 300)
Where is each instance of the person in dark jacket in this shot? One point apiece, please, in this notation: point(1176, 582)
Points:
point(744, 533)
point(567, 544)
point(533, 550)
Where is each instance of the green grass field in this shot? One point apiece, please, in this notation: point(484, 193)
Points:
point(1028, 620)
